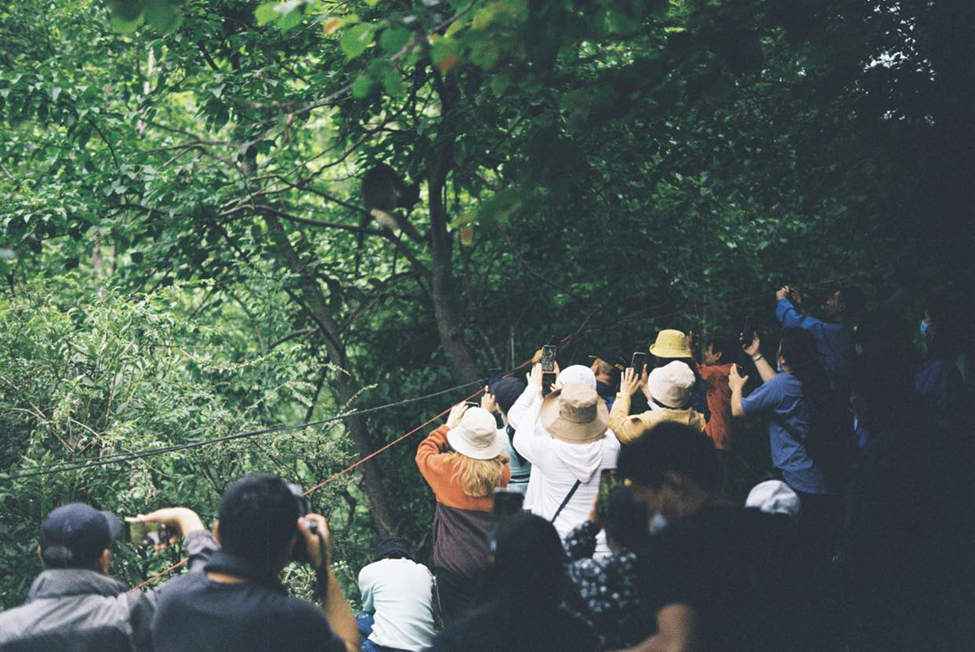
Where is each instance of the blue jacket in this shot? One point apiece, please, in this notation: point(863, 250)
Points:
point(834, 341)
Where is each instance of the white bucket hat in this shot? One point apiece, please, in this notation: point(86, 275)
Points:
point(476, 436)
point(577, 374)
point(671, 384)
point(774, 497)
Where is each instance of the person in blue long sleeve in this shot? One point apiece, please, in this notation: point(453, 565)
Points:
point(835, 337)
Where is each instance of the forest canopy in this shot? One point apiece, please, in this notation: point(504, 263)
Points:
point(186, 253)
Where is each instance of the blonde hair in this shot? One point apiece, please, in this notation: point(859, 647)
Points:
point(478, 478)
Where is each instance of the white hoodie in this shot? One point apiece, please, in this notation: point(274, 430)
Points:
point(557, 465)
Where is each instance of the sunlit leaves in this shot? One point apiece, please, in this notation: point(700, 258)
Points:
point(356, 39)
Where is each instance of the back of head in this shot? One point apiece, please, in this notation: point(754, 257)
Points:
point(730, 352)
point(527, 572)
point(506, 391)
point(577, 374)
point(76, 536)
point(626, 520)
point(258, 518)
point(673, 447)
point(393, 548)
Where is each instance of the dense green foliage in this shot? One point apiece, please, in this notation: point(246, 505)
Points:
point(180, 205)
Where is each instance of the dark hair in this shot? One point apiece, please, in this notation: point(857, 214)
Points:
point(673, 447)
point(258, 518)
point(626, 520)
point(852, 298)
point(393, 548)
point(527, 574)
point(829, 441)
point(729, 351)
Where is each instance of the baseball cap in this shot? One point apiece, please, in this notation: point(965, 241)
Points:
point(612, 355)
point(74, 535)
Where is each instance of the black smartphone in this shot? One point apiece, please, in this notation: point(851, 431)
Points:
point(607, 483)
point(506, 503)
point(549, 351)
point(495, 374)
point(748, 331)
point(472, 404)
point(137, 533)
point(638, 362)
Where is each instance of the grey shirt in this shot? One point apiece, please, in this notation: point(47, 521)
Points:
point(75, 610)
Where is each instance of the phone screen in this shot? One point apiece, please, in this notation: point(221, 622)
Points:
point(638, 362)
point(506, 503)
point(607, 483)
point(138, 533)
point(549, 352)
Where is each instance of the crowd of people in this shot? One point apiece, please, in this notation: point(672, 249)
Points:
point(860, 537)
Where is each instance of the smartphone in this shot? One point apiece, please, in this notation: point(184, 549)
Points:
point(748, 331)
point(506, 503)
point(549, 352)
point(638, 362)
point(472, 404)
point(137, 533)
point(607, 483)
point(495, 374)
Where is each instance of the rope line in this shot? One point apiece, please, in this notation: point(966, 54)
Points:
point(125, 457)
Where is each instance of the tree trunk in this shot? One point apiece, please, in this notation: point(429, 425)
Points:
point(445, 308)
point(343, 383)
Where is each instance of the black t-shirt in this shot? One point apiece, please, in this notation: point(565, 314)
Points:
point(196, 613)
point(493, 631)
point(737, 568)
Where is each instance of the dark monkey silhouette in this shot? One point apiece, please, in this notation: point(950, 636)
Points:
point(383, 191)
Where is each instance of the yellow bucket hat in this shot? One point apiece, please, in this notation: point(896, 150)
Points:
point(670, 344)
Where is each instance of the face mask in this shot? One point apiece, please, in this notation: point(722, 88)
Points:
point(924, 329)
point(657, 524)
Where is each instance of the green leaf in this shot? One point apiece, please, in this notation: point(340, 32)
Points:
point(393, 39)
point(362, 86)
point(393, 83)
point(355, 41)
point(266, 13)
point(163, 15)
point(125, 26)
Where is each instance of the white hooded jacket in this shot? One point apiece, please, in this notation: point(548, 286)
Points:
point(557, 465)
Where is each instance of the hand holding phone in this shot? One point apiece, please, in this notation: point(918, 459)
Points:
point(748, 331)
point(638, 362)
point(140, 533)
point(549, 351)
point(608, 482)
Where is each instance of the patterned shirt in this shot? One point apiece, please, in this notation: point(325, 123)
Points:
point(604, 591)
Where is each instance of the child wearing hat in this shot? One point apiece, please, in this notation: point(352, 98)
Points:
point(668, 390)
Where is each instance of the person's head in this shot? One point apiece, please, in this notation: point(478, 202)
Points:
point(671, 386)
point(939, 328)
point(883, 373)
point(720, 351)
point(526, 564)
point(258, 521)
point(845, 302)
point(626, 520)
point(506, 391)
point(798, 352)
point(608, 363)
point(673, 469)
point(670, 345)
point(574, 414)
point(393, 548)
point(774, 497)
point(78, 536)
point(477, 450)
point(577, 374)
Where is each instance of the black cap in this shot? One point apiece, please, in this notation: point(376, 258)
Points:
point(76, 534)
point(612, 355)
point(393, 548)
point(506, 391)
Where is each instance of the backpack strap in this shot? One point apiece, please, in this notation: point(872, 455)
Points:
point(565, 501)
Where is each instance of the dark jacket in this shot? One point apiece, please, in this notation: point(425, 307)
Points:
point(69, 610)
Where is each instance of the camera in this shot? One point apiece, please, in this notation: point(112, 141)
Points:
point(302, 509)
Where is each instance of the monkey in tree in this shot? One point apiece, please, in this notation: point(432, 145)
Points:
point(383, 191)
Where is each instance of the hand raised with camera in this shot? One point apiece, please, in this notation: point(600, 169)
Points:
point(630, 382)
point(456, 414)
point(180, 521)
point(754, 348)
point(735, 380)
point(488, 402)
point(316, 543)
point(782, 293)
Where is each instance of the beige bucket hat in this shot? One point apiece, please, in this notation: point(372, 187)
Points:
point(476, 436)
point(575, 414)
point(670, 344)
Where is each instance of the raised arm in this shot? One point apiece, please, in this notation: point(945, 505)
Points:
point(429, 454)
point(789, 317)
point(623, 426)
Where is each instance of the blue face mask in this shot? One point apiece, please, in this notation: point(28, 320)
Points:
point(924, 329)
point(658, 523)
